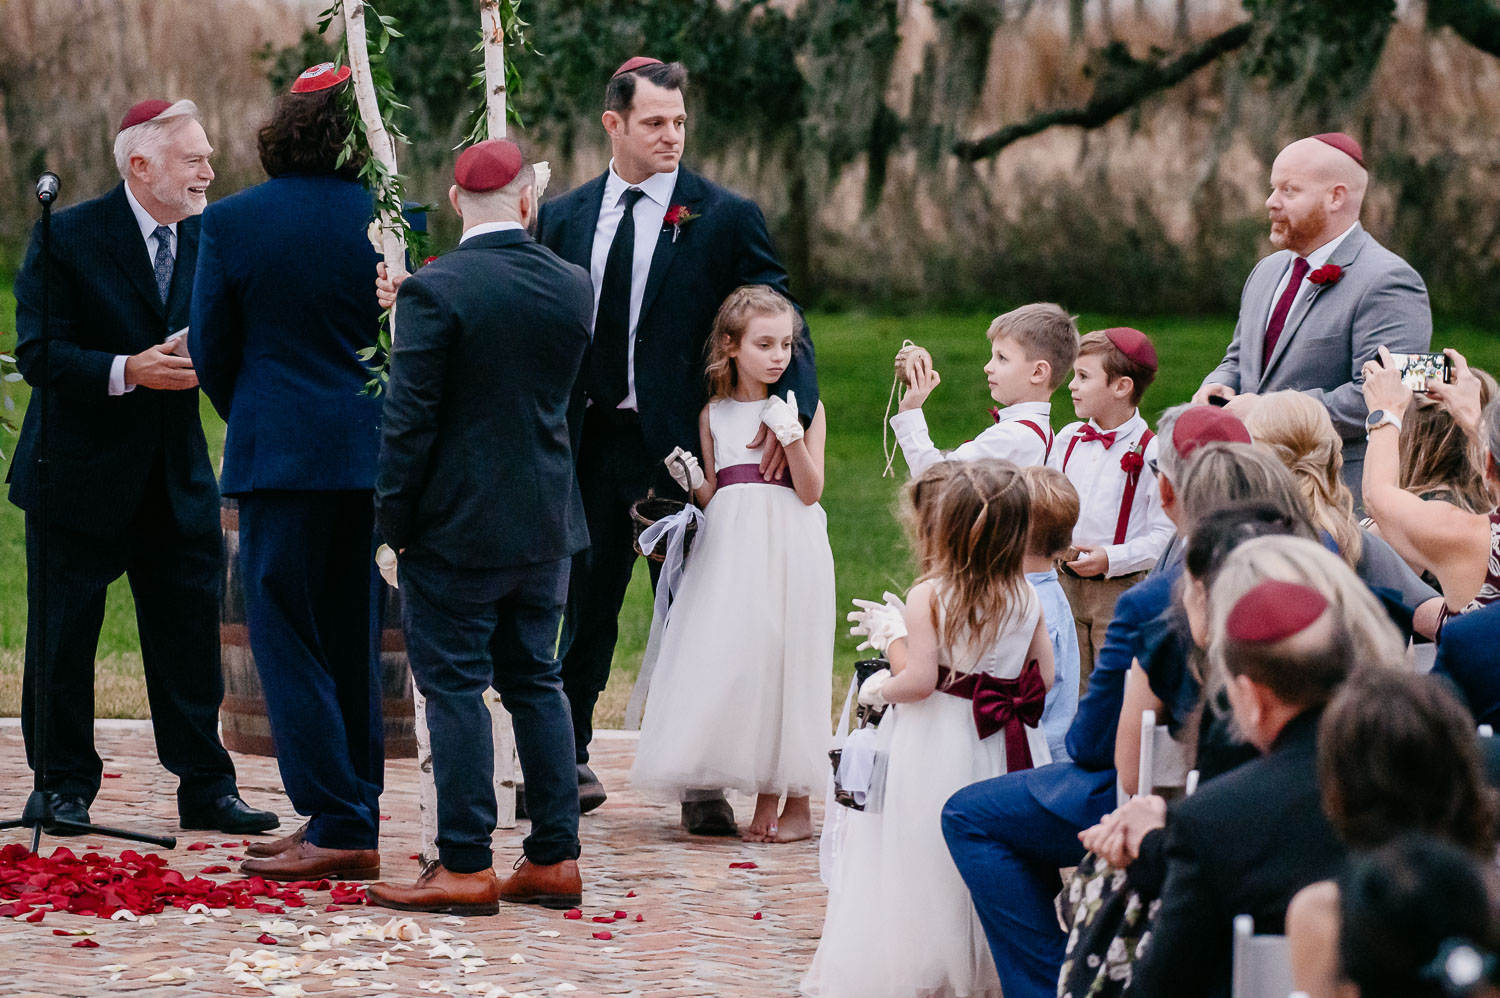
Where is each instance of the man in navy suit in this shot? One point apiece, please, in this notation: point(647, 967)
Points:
point(281, 307)
point(476, 491)
point(132, 492)
point(1468, 654)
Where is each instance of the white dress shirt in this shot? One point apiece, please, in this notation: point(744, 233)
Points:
point(485, 228)
point(1096, 473)
point(1009, 438)
point(148, 229)
point(1315, 259)
point(648, 214)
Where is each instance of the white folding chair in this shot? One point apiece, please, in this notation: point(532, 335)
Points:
point(1262, 964)
point(1164, 762)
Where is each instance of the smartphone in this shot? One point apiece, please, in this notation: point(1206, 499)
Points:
point(1218, 400)
point(1417, 369)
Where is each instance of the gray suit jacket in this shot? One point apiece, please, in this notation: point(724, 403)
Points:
point(1379, 301)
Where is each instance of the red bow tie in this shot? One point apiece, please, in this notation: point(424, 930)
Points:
point(1088, 434)
point(1011, 705)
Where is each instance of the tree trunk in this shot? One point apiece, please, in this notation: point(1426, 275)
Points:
point(382, 146)
point(1075, 21)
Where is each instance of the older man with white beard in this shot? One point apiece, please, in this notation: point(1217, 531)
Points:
point(1312, 314)
point(131, 489)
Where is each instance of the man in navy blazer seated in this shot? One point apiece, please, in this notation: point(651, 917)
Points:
point(281, 307)
point(476, 492)
point(132, 491)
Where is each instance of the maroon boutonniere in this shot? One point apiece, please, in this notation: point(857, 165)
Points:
point(677, 216)
point(428, 260)
point(1133, 461)
point(1329, 273)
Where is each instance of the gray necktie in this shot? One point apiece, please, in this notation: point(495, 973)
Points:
point(164, 261)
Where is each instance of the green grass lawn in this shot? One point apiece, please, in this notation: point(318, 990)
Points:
point(854, 364)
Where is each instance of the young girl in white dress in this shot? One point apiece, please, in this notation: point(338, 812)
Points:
point(740, 695)
point(899, 921)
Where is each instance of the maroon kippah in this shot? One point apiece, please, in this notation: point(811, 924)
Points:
point(1206, 424)
point(143, 112)
point(1345, 144)
point(487, 165)
point(1134, 344)
point(635, 62)
point(1273, 610)
point(320, 77)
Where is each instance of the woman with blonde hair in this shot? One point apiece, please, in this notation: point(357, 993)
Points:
point(1296, 428)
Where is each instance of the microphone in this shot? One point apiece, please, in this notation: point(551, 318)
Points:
point(46, 187)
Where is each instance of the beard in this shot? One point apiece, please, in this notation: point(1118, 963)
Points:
point(1300, 235)
point(177, 196)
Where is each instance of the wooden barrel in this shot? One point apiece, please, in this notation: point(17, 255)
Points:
point(242, 716)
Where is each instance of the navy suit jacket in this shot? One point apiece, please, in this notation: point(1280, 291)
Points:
point(103, 302)
point(284, 300)
point(1083, 791)
point(725, 247)
point(1468, 653)
point(476, 463)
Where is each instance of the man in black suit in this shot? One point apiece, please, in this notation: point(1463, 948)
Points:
point(132, 492)
point(475, 489)
point(1250, 839)
point(664, 248)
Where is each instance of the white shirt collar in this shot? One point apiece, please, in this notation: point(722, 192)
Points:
point(1320, 256)
point(1129, 428)
point(658, 187)
point(485, 228)
point(144, 220)
point(1023, 409)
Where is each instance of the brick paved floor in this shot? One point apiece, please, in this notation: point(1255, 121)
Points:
point(698, 937)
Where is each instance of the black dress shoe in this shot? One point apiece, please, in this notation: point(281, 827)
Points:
point(708, 817)
point(68, 807)
point(590, 793)
point(228, 814)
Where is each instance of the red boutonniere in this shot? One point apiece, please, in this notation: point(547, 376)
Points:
point(1133, 461)
point(677, 216)
point(1329, 273)
point(428, 260)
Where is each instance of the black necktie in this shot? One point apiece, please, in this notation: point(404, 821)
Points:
point(608, 382)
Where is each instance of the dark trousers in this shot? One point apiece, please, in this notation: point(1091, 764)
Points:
point(1009, 848)
point(176, 580)
point(311, 600)
point(468, 630)
point(614, 471)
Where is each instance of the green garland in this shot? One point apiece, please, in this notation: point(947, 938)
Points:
point(514, 39)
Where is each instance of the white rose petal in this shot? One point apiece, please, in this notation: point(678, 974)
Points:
point(453, 920)
point(549, 933)
point(288, 991)
point(147, 921)
point(115, 968)
point(123, 915)
point(345, 982)
point(198, 909)
point(195, 919)
point(517, 958)
point(316, 944)
point(565, 986)
point(173, 974)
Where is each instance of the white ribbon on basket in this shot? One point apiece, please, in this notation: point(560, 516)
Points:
point(674, 529)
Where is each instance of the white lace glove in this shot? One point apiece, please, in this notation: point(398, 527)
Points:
point(869, 691)
point(780, 416)
point(684, 469)
point(882, 624)
point(385, 560)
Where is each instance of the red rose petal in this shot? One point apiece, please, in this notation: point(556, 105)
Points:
point(36, 916)
point(385, 817)
point(415, 855)
point(756, 916)
point(85, 944)
point(199, 847)
point(621, 914)
point(573, 913)
point(631, 894)
point(215, 869)
point(604, 919)
point(640, 918)
point(604, 935)
point(742, 866)
point(266, 939)
point(110, 776)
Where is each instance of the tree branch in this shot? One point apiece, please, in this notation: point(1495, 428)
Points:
point(1475, 21)
point(1123, 83)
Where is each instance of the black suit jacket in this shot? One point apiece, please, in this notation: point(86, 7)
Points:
point(103, 302)
point(1242, 845)
point(725, 247)
point(476, 466)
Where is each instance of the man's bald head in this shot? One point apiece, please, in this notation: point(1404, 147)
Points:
point(1316, 193)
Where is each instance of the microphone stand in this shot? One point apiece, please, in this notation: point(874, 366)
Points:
point(38, 815)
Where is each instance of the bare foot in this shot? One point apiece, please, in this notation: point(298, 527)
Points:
point(763, 824)
point(795, 823)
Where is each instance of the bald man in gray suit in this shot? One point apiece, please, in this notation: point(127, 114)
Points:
point(1314, 312)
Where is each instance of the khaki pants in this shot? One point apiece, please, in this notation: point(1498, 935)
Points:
point(1093, 605)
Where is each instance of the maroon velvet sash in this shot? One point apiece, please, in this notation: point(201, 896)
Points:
point(747, 474)
point(1012, 705)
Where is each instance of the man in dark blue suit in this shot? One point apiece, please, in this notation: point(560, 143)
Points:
point(476, 491)
point(664, 248)
point(1468, 654)
point(132, 492)
point(281, 308)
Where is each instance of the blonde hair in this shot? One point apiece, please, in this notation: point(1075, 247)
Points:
point(919, 504)
point(1297, 429)
point(1220, 474)
point(1054, 511)
point(1044, 331)
point(743, 304)
point(974, 551)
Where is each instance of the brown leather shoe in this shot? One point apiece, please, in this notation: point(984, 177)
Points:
point(555, 886)
point(305, 861)
point(260, 850)
point(441, 891)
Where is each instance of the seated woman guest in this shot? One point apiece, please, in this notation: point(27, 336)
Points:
point(1461, 549)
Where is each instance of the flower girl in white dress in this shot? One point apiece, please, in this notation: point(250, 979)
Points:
point(970, 670)
point(740, 693)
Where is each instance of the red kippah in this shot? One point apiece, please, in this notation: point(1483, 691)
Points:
point(1273, 610)
point(1206, 424)
point(1134, 344)
point(487, 165)
point(143, 112)
point(634, 63)
point(1344, 144)
point(320, 77)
